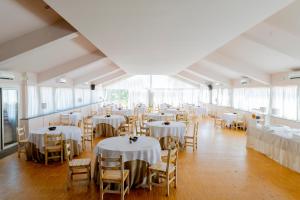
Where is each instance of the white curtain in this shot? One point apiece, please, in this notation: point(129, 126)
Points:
point(86, 96)
point(137, 96)
point(220, 96)
point(46, 95)
point(10, 105)
point(33, 101)
point(78, 93)
point(251, 98)
point(284, 101)
point(63, 98)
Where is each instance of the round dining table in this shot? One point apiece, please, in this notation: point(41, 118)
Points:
point(107, 125)
point(161, 116)
point(123, 112)
point(159, 129)
point(137, 155)
point(36, 140)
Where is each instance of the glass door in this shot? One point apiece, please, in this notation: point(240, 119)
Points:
point(9, 117)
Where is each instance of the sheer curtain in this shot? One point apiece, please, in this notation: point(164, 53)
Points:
point(284, 101)
point(46, 95)
point(63, 98)
point(220, 96)
point(78, 94)
point(86, 96)
point(137, 96)
point(33, 101)
point(251, 98)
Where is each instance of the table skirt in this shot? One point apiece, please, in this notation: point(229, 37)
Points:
point(105, 130)
point(33, 153)
point(282, 150)
point(137, 175)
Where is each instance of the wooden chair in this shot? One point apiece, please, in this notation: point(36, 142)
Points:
point(93, 113)
point(239, 123)
point(129, 126)
point(218, 122)
point(54, 124)
point(165, 170)
point(54, 144)
point(192, 141)
point(77, 166)
point(181, 117)
point(22, 141)
point(145, 118)
point(111, 171)
point(87, 134)
point(65, 120)
point(140, 129)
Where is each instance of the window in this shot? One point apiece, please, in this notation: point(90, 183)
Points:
point(284, 102)
point(33, 101)
point(46, 100)
point(220, 97)
point(251, 98)
point(63, 98)
point(86, 96)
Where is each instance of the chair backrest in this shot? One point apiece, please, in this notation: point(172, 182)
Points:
point(87, 128)
point(131, 119)
point(108, 110)
point(181, 117)
point(111, 163)
point(196, 129)
point(172, 157)
point(54, 123)
point(21, 133)
point(53, 140)
point(65, 119)
point(68, 146)
point(145, 117)
point(93, 113)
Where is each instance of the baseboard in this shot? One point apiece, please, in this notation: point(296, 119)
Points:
point(8, 151)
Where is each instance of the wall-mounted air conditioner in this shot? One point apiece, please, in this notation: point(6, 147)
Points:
point(294, 75)
point(245, 81)
point(4, 75)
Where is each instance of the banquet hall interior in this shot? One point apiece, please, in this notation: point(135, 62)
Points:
point(137, 99)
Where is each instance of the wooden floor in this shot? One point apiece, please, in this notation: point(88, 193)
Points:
point(222, 168)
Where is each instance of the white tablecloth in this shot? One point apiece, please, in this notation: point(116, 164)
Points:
point(124, 112)
point(160, 117)
point(70, 132)
point(114, 120)
point(145, 148)
point(75, 117)
point(279, 143)
point(229, 118)
point(173, 111)
point(174, 129)
point(200, 111)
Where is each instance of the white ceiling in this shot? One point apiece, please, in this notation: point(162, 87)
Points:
point(261, 56)
point(199, 41)
point(18, 17)
point(48, 56)
point(162, 37)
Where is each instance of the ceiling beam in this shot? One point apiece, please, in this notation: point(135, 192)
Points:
point(97, 74)
point(205, 73)
point(70, 66)
point(178, 77)
point(120, 78)
point(191, 77)
point(109, 77)
point(245, 69)
point(36, 39)
point(275, 38)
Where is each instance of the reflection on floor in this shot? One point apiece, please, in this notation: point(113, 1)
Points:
point(222, 168)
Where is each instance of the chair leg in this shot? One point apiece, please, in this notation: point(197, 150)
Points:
point(122, 191)
point(128, 182)
point(175, 181)
point(101, 190)
point(62, 156)
point(46, 157)
point(19, 152)
point(168, 185)
point(149, 179)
